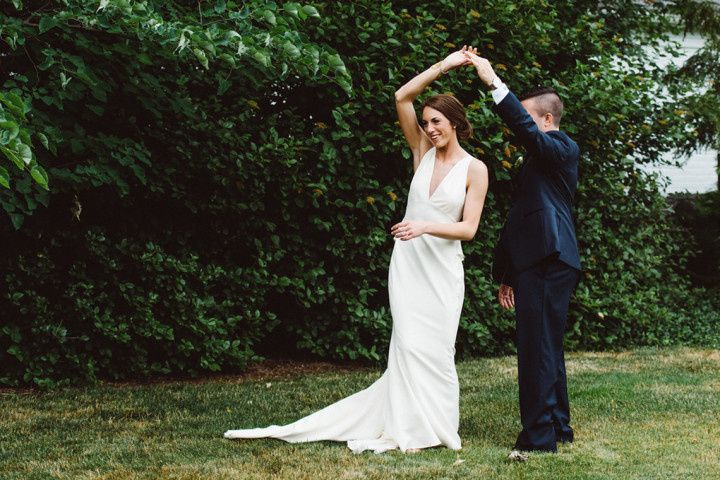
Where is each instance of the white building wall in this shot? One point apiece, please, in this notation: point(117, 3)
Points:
point(697, 173)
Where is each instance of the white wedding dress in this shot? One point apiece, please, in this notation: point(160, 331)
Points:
point(415, 403)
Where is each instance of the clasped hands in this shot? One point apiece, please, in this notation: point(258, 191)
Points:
point(469, 56)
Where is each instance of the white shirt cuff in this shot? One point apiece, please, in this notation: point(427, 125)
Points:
point(499, 93)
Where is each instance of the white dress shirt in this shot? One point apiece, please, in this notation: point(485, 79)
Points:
point(500, 92)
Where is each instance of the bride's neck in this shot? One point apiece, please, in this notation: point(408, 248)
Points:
point(449, 152)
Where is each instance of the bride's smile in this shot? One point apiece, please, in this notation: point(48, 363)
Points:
point(437, 127)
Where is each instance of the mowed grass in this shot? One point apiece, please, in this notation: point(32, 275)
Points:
point(650, 414)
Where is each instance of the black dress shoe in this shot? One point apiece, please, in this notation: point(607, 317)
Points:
point(565, 439)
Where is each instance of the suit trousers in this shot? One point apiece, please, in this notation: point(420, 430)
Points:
point(542, 295)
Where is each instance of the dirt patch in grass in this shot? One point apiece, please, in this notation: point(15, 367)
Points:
point(271, 369)
point(290, 368)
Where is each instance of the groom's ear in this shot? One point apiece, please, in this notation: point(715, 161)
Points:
point(552, 120)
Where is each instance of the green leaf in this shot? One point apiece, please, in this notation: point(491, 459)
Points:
point(313, 55)
point(8, 132)
point(345, 84)
point(242, 48)
point(183, 40)
point(311, 11)
point(144, 58)
point(291, 49)
point(270, 17)
point(261, 58)
point(40, 176)
point(292, 8)
point(223, 86)
point(208, 46)
point(24, 137)
point(25, 153)
point(14, 104)
point(17, 220)
point(14, 157)
point(4, 177)
point(44, 140)
point(46, 23)
point(228, 59)
point(200, 55)
point(64, 80)
point(139, 173)
point(48, 59)
point(337, 64)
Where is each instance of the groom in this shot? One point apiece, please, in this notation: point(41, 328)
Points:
point(536, 261)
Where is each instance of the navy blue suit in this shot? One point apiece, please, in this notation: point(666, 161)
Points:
point(538, 256)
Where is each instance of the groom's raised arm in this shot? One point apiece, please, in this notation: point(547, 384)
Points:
point(547, 147)
point(550, 148)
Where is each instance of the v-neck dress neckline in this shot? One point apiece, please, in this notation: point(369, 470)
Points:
point(432, 172)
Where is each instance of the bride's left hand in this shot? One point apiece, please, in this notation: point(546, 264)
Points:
point(408, 230)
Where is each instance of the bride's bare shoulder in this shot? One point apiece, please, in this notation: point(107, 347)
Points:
point(477, 168)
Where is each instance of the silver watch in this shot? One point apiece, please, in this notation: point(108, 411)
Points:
point(496, 83)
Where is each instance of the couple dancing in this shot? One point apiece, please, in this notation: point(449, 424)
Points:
point(415, 403)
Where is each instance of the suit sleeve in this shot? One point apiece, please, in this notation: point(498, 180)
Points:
point(549, 149)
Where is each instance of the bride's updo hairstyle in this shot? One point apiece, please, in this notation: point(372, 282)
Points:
point(451, 107)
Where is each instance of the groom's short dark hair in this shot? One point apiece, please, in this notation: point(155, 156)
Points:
point(547, 99)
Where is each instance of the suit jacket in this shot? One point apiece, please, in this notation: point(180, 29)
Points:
point(540, 223)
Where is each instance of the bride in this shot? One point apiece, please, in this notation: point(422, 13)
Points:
point(415, 403)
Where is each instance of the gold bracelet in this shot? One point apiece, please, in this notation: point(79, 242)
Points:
point(438, 66)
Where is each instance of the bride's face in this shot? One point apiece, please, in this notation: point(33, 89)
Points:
point(437, 127)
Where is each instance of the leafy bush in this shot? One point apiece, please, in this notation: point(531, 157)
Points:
point(212, 190)
point(118, 308)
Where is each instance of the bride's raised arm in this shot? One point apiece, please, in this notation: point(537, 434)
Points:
point(418, 142)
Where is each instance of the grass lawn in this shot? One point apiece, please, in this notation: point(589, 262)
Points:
point(646, 413)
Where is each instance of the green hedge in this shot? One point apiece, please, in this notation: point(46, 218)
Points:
point(88, 306)
point(207, 200)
